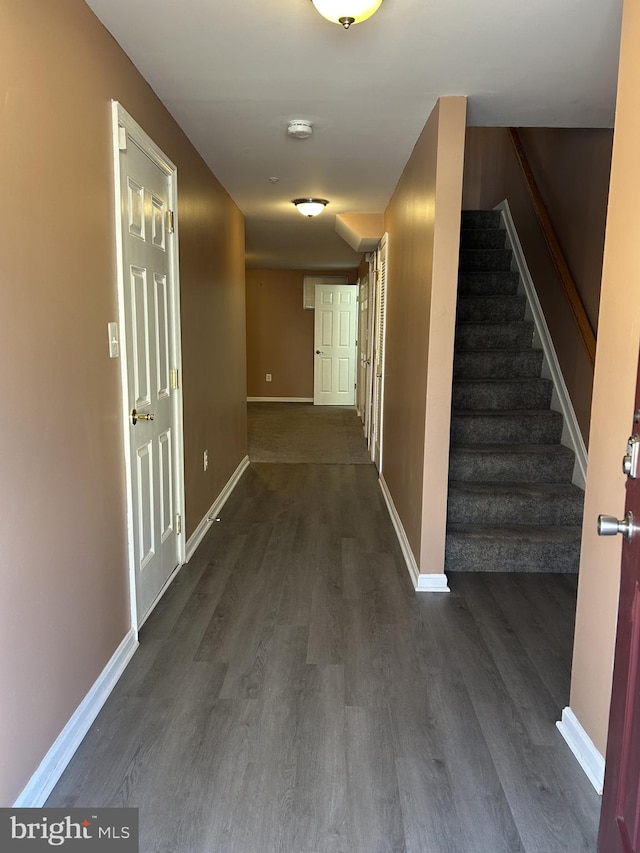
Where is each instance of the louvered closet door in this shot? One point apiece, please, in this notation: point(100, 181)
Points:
point(378, 386)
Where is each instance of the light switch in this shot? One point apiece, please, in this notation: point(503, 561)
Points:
point(114, 343)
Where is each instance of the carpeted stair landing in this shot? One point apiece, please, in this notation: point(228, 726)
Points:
point(512, 506)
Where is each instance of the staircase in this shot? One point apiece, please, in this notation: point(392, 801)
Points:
point(512, 506)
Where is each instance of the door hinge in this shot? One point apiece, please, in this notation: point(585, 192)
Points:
point(170, 221)
point(174, 378)
point(178, 523)
point(122, 138)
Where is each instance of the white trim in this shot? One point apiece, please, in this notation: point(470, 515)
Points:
point(583, 748)
point(561, 402)
point(199, 533)
point(121, 120)
point(433, 583)
point(279, 399)
point(52, 766)
point(421, 582)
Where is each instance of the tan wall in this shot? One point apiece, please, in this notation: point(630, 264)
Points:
point(423, 223)
point(572, 170)
point(280, 333)
point(64, 606)
point(613, 402)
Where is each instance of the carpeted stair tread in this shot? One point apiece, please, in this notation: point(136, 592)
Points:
point(481, 219)
point(511, 463)
point(490, 308)
point(481, 238)
point(510, 548)
point(497, 363)
point(488, 283)
point(538, 426)
point(485, 260)
point(509, 503)
point(505, 394)
point(514, 334)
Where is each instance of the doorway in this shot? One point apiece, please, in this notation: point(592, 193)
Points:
point(150, 354)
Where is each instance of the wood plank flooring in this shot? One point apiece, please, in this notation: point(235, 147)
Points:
point(292, 694)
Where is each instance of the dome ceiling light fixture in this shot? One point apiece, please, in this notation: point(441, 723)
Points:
point(299, 129)
point(347, 12)
point(310, 206)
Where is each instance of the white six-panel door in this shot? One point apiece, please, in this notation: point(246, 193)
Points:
point(150, 326)
point(336, 320)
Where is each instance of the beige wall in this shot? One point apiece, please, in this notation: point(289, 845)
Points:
point(572, 170)
point(280, 333)
point(423, 223)
point(64, 606)
point(613, 402)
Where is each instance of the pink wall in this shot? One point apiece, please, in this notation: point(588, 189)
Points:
point(64, 608)
point(613, 403)
point(423, 223)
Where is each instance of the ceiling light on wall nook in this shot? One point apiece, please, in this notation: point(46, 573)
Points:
point(347, 12)
point(310, 206)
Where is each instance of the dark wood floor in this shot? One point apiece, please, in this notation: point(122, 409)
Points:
point(292, 693)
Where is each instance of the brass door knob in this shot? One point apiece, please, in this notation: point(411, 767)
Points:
point(141, 416)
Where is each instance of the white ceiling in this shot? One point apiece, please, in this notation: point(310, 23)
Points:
point(234, 72)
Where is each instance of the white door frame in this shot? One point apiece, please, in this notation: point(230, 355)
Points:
point(122, 125)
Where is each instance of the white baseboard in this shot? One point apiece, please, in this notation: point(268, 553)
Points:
point(55, 761)
point(561, 402)
point(433, 583)
point(582, 747)
point(279, 399)
point(421, 582)
point(199, 533)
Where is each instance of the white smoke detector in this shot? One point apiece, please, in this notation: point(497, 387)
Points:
point(299, 129)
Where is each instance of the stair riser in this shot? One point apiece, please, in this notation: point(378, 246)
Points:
point(469, 467)
point(511, 335)
point(514, 509)
point(543, 428)
point(482, 238)
point(485, 260)
point(498, 365)
point(487, 283)
point(481, 219)
point(501, 556)
point(490, 308)
point(509, 394)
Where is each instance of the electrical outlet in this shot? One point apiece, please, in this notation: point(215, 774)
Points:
point(268, 377)
point(205, 460)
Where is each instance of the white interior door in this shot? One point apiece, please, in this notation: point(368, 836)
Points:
point(378, 355)
point(152, 397)
point(336, 318)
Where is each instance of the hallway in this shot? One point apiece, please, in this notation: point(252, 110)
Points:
point(292, 693)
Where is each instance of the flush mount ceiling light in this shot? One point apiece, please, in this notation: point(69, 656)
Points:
point(347, 12)
point(310, 206)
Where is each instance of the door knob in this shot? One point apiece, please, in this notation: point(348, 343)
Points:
point(609, 525)
point(141, 416)
point(319, 352)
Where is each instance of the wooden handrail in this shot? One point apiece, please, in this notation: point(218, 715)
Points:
point(557, 255)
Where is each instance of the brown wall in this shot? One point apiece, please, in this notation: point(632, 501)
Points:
point(572, 169)
point(613, 402)
point(423, 223)
point(64, 607)
point(280, 333)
